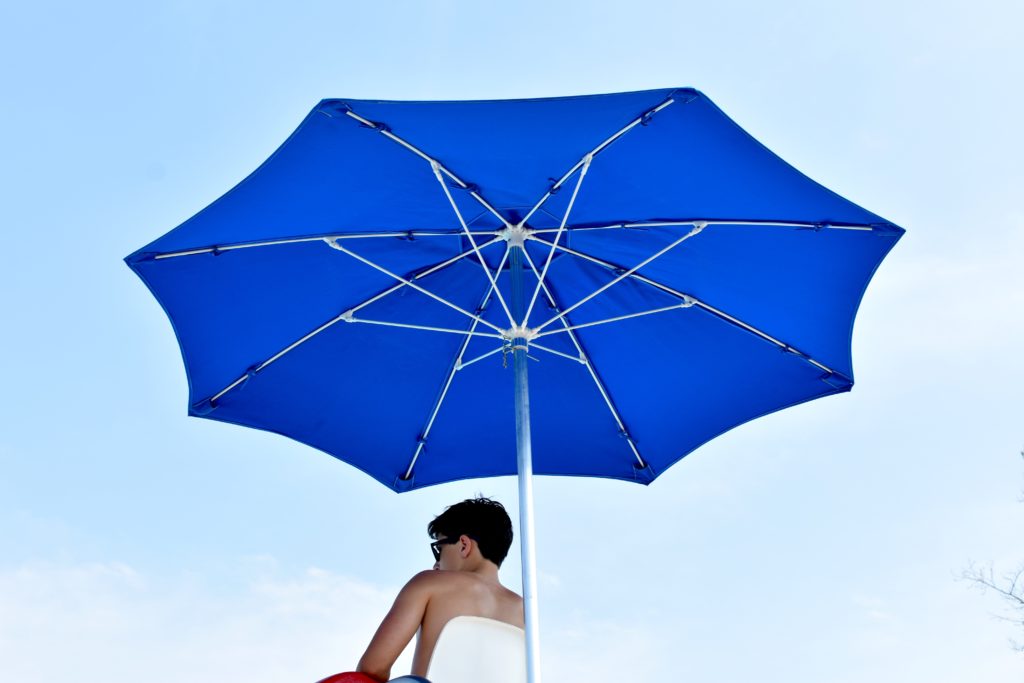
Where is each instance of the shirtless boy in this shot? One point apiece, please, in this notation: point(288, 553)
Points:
point(471, 539)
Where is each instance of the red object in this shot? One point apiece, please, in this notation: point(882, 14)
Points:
point(349, 677)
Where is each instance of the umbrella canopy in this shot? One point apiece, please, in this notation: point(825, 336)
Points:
point(366, 290)
point(355, 292)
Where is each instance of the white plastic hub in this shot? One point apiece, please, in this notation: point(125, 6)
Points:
point(519, 332)
point(515, 235)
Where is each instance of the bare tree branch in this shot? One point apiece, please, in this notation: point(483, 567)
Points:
point(1009, 586)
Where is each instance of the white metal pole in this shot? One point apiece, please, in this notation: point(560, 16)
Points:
point(524, 455)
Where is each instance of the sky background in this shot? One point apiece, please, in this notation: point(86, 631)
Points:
point(821, 544)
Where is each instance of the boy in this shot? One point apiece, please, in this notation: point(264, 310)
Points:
point(471, 539)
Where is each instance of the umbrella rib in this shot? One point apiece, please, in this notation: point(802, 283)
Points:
point(657, 224)
point(418, 288)
point(348, 312)
point(413, 326)
point(428, 271)
point(697, 228)
point(455, 367)
point(218, 249)
point(700, 304)
point(465, 364)
point(483, 264)
point(561, 228)
point(386, 132)
point(584, 358)
point(588, 157)
point(675, 307)
point(577, 359)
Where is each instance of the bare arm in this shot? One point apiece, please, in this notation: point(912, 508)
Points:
point(398, 627)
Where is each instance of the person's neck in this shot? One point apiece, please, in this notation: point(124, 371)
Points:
point(485, 570)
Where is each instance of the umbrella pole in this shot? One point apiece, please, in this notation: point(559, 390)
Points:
point(524, 458)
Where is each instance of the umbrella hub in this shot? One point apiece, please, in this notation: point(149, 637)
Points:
point(520, 332)
point(515, 235)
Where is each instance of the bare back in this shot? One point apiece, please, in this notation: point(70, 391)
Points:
point(456, 594)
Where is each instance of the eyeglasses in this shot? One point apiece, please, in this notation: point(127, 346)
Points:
point(435, 547)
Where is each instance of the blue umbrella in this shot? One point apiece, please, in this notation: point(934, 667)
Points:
point(378, 287)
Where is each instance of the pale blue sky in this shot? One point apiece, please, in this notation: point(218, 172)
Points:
point(817, 545)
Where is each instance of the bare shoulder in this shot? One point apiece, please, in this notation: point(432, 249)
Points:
point(432, 580)
point(511, 594)
point(425, 580)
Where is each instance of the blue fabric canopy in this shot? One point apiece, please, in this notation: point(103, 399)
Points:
point(273, 289)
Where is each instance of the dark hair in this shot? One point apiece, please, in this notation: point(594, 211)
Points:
point(482, 519)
